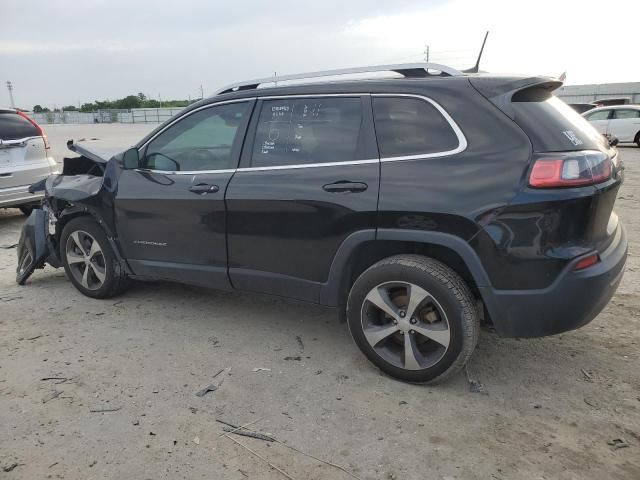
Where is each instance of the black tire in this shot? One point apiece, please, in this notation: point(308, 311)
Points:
point(448, 296)
point(114, 280)
point(637, 139)
point(26, 209)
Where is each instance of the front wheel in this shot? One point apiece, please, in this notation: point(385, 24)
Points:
point(414, 318)
point(89, 260)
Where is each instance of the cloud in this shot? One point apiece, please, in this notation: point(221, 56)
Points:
point(72, 52)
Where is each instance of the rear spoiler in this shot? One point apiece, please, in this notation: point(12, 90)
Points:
point(501, 91)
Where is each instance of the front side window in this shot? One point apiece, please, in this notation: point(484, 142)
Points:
point(411, 126)
point(200, 141)
point(626, 113)
point(297, 131)
point(599, 115)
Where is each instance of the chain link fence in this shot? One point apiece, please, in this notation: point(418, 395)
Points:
point(135, 115)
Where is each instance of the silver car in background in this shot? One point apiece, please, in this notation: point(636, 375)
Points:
point(24, 159)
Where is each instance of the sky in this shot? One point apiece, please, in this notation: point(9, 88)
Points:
point(67, 52)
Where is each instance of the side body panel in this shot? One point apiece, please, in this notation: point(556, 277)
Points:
point(284, 227)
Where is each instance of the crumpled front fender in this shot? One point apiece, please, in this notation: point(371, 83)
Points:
point(35, 247)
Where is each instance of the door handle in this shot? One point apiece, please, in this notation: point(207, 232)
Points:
point(345, 186)
point(202, 188)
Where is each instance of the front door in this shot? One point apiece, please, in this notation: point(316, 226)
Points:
point(170, 212)
point(308, 179)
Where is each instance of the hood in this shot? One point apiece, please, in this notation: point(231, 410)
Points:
point(100, 151)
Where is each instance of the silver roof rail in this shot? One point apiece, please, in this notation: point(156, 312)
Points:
point(415, 70)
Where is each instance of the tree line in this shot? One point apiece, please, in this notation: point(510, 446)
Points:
point(130, 101)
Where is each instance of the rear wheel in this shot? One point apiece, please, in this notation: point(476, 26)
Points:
point(414, 318)
point(89, 260)
point(637, 139)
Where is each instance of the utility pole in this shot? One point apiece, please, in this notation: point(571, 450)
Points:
point(160, 99)
point(426, 53)
point(10, 88)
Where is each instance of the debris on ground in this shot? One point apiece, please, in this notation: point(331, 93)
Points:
point(261, 369)
point(51, 396)
point(207, 389)
point(617, 443)
point(136, 422)
point(300, 343)
point(248, 433)
point(196, 440)
point(8, 247)
point(35, 337)
point(244, 429)
point(588, 376)
point(296, 358)
point(475, 386)
point(10, 467)
point(104, 409)
point(92, 464)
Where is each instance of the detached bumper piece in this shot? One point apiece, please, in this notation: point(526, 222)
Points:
point(573, 300)
point(35, 247)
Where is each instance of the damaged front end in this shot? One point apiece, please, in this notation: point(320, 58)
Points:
point(79, 189)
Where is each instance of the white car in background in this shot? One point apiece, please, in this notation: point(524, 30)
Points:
point(620, 121)
point(24, 160)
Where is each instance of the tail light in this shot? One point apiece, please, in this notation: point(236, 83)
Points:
point(40, 131)
point(570, 169)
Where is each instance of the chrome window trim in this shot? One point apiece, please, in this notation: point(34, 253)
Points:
point(308, 165)
point(209, 105)
point(462, 140)
point(190, 172)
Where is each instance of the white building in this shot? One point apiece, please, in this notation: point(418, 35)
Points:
point(590, 93)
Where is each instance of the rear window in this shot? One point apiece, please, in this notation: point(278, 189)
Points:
point(552, 125)
point(411, 126)
point(15, 127)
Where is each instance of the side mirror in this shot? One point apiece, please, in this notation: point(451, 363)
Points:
point(130, 159)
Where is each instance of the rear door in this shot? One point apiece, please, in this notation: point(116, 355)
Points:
point(23, 157)
point(600, 120)
point(308, 179)
point(625, 124)
point(170, 212)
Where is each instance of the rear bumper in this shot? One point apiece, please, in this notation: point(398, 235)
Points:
point(15, 196)
point(573, 300)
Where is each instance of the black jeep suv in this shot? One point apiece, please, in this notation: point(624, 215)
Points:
point(420, 206)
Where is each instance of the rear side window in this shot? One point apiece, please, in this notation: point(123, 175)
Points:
point(15, 127)
point(295, 131)
point(411, 126)
point(552, 125)
point(626, 113)
point(599, 115)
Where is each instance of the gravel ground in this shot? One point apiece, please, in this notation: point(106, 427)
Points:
point(549, 407)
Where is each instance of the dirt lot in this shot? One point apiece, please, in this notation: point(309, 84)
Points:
point(549, 408)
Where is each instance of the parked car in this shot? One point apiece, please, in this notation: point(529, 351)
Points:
point(23, 160)
point(619, 121)
point(582, 107)
point(419, 207)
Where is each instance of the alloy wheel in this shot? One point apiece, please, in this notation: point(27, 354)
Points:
point(86, 260)
point(405, 325)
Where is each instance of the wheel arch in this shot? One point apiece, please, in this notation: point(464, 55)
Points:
point(68, 212)
point(361, 250)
